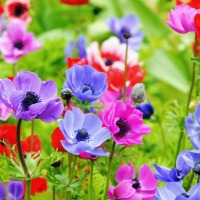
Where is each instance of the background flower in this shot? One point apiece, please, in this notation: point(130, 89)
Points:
point(5, 112)
point(75, 2)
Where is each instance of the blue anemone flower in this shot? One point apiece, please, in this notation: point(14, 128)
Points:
point(192, 124)
point(83, 133)
point(86, 83)
point(128, 24)
point(175, 174)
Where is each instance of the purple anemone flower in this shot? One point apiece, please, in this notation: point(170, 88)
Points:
point(192, 124)
point(2, 191)
point(175, 174)
point(174, 191)
point(79, 46)
point(31, 98)
point(86, 83)
point(146, 109)
point(16, 42)
point(16, 190)
point(128, 25)
point(83, 133)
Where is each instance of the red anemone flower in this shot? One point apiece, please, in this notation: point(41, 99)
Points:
point(1, 8)
point(192, 3)
point(78, 61)
point(38, 185)
point(75, 2)
point(18, 9)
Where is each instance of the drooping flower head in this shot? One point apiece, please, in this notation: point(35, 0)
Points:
point(192, 125)
point(174, 191)
point(125, 123)
point(86, 83)
point(18, 9)
point(181, 19)
point(146, 109)
point(75, 2)
point(192, 3)
point(111, 58)
point(16, 42)
point(175, 174)
point(130, 187)
point(31, 98)
point(83, 133)
point(127, 26)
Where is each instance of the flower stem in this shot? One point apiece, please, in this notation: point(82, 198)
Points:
point(54, 192)
point(32, 134)
point(125, 70)
point(109, 169)
point(19, 149)
point(91, 179)
point(28, 192)
point(190, 182)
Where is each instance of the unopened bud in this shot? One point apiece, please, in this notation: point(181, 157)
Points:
point(138, 93)
point(66, 93)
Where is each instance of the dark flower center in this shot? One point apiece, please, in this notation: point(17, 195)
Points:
point(19, 10)
point(31, 98)
point(86, 88)
point(136, 185)
point(19, 45)
point(108, 62)
point(124, 127)
point(126, 33)
point(82, 135)
point(185, 195)
point(196, 168)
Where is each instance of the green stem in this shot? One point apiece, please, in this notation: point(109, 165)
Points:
point(69, 164)
point(19, 149)
point(109, 169)
point(28, 192)
point(91, 179)
point(125, 70)
point(32, 134)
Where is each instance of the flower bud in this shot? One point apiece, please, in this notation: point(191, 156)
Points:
point(66, 94)
point(138, 94)
point(146, 109)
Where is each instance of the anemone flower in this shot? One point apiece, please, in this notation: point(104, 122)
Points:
point(16, 190)
point(175, 174)
point(31, 98)
point(130, 187)
point(181, 19)
point(125, 123)
point(192, 3)
point(2, 191)
point(83, 133)
point(75, 2)
point(127, 25)
point(174, 191)
point(111, 58)
point(16, 42)
point(146, 109)
point(18, 9)
point(85, 82)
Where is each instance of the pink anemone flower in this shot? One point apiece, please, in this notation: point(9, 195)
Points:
point(181, 19)
point(5, 112)
point(129, 187)
point(125, 123)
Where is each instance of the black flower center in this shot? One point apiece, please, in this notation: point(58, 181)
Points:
point(31, 98)
point(126, 33)
point(19, 45)
point(196, 168)
point(19, 10)
point(86, 88)
point(82, 135)
point(108, 62)
point(136, 185)
point(185, 195)
point(124, 127)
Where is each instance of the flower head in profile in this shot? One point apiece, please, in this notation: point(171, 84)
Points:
point(125, 123)
point(85, 82)
point(192, 125)
point(111, 58)
point(130, 187)
point(75, 2)
point(16, 42)
point(18, 9)
point(175, 191)
point(31, 98)
point(83, 133)
point(181, 19)
point(127, 26)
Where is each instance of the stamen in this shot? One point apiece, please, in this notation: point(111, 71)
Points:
point(31, 98)
point(19, 10)
point(82, 135)
point(123, 126)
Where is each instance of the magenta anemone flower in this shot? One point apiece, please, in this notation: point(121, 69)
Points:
point(16, 42)
point(181, 19)
point(31, 98)
point(125, 123)
point(129, 187)
point(83, 133)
